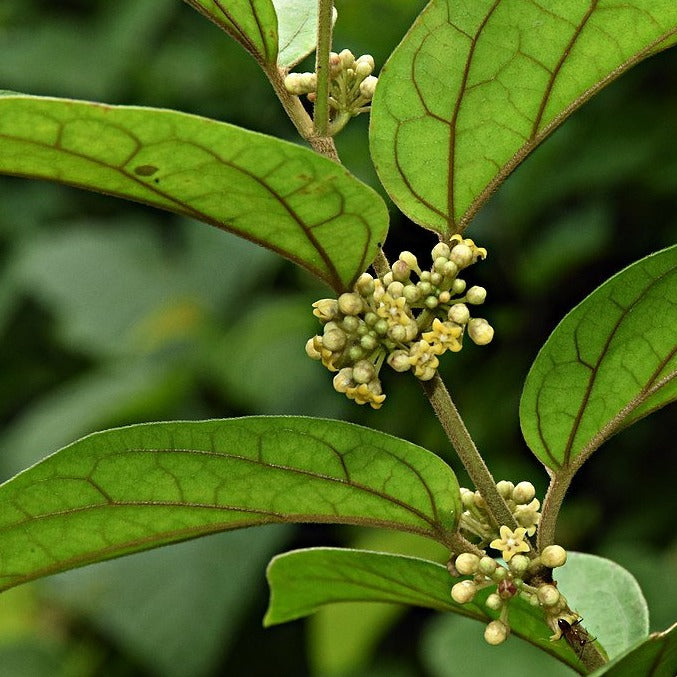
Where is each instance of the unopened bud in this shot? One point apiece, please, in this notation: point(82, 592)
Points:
point(347, 58)
point(494, 602)
point(350, 303)
point(463, 592)
point(505, 488)
point(548, 595)
point(399, 360)
point(334, 340)
point(459, 313)
point(553, 556)
point(488, 565)
point(440, 250)
point(480, 331)
point(363, 372)
point(476, 295)
point(461, 255)
point(523, 493)
point(325, 309)
point(365, 284)
point(467, 563)
point(368, 86)
point(496, 633)
point(311, 351)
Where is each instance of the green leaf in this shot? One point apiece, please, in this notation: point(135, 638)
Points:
point(253, 23)
point(611, 361)
point(608, 598)
point(277, 194)
point(297, 29)
point(304, 580)
point(476, 85)
point(135, 488)
point(656, 656)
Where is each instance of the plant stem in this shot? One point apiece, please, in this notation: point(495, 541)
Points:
point(324, 30)
point(559, 485)
point(324, 145)
point(464, 446)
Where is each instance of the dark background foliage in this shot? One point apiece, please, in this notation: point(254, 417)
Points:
point(112, 313)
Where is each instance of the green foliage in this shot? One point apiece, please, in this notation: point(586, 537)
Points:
point(475, 86)
point(610, 362)
point(287, 198)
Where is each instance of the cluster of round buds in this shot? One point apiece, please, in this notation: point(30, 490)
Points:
point(509, 583)
point(351, 86)
point(520, 498)
point(395, 319)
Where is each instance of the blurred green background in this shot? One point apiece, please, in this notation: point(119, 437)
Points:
point(112, 313)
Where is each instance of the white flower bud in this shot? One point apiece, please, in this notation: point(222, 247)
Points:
point(399, 360)
point(334, 340)
point(395, 289)
point(401, 271)
point(458, 287)
point(363, 372)
point(311, 351)
point(505, 488)
point(476, 295)
point(488, 565)
point(480, 331)
point(365, 284)
point(350, 303)
point(519, 564)
point(369, 342)
point(398, 333)
point(347, 58)
point(467, 563)
point(524, 492)
point(450, 269)
point(553, 556)
point(441, 250)
point(467, 498)
point(368, 86)
point(362, 69)
point(325, 309)
point(494, 602)
point(548, 595)
point(388, 278)
point(463, 592)
point(410, 260)
point(365, 58)
point(461, 255)
point(459, 313)
point(496, 633)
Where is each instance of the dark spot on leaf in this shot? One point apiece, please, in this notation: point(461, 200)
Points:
point(145, 170)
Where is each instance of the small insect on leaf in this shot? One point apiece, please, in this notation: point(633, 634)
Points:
point(575, 635)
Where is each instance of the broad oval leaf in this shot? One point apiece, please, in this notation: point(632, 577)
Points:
point(301, 581)
point(608, 598)
point(611, 361)
point(656, 656)
point(275, 193)
point(135, 488)
point(476, 85)
point(253, 23)
point(297, 30)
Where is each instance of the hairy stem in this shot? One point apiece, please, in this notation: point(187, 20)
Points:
point(324, 29)
point(559, 485)
point(466, 450)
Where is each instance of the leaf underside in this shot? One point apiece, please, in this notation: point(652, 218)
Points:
point(253, 23)
point(611, 361)
point(139, 487)
point(304, 580)
point(277, 194)
point(476, 85)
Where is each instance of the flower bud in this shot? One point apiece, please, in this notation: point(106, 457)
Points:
point(347, 59)
point(401, 271)
point(548, 595)
point(334, 340)
point(488, 565)
point(365, 58)
point(363, 372)
point(458, 287)
point(553, 556)
point(350, 303)
point(364, 284)
point(410, 260)
point(494, 602)
point(463, 592)
point(444, 296)
point(334, 64)
point(459, 313)
point(519, 564)
point(480, 331)
point(368, 342)
point(476, 295)
point(325, 309)
point(355, 353)
point(343, 380)
point(467, 498)
point(362, 69)
point(399, 360)
point(461, 255)
point(311, 351)
point(523, 493)
point(505, 488)
point(368, 86)
point(395, 289)
point(496, 632)
point(398, 333)
point(467, 563)
point(440, 250)
point(450, 270)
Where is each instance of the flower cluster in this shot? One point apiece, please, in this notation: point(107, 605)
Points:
point(351, 86)
point(408, 318)
point(509, 583)
point(476, 523)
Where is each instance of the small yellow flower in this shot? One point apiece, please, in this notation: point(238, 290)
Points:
point(444, 336)
point(395, 310)
point(423, 359)
point(528, 516)
point(363, 394)
point(510, 542)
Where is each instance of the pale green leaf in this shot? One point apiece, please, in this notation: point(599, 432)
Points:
point(297, 30)
point(476, 85)
point(277, 194)
point(608, 598)
point(656, 656)
point(302, 581)
point(253, 23)
point(611, 361)
point(135, 488)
